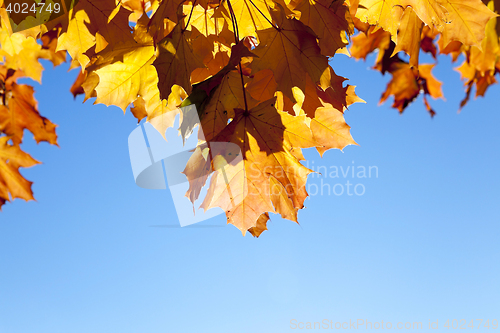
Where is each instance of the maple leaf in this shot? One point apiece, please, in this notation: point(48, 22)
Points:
point(257, 72)
point(330, 129)
point(12, 183)
point(218, 109)
point(21, 53)
point(215, 57)
point(250, 15)
point(208, 95)
point(406, 84)
point(427, 42)
point(292, 52)
point(408, 38)
point(329, 25)
point(164, 19)
point(366, 42)
point(480, 66)
point(263, 85)
point(176, 61)
point(163, 114)
point(384, 13)
point(122, 82)
point(89, 18)
point(78, 39)
point(49, 45)
point(460, 20)
point(407, 81)
point(203, 19)
point(19, 112)
point(125, 72)
point(265, 136)
point(139, 109)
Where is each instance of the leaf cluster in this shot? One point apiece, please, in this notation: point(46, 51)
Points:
point(257, 71)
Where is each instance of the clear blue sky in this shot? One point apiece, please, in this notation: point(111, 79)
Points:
point(420, 244)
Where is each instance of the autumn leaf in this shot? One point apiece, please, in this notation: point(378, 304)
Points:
point(122, 82)
point(265, 136)
point(21, 53)
point(89, 18)
point(291, 52)
point(20, 112)
point(407, 81)
point(328, 24)
point(255, 75)
point(251, 16)
point(208, 94)
point(218, 109)
point(383, 13)
point(49, 45)
point(330, 129)
point(125, 72)
point(12, 183)
point(263, 85)
point(176, 61)
point(408, 37)
point(260, 226)
point(480, 66)
point(406, 85)
point(460, 20)
point(78, 39)
point(203, 19)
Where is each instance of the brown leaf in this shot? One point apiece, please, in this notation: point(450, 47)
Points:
point(260, 226)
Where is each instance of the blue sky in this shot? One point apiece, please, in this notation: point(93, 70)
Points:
point(93, 253)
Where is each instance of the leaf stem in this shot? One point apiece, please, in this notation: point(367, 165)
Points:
point(190, 14)
point(263, 15)
point(237, 40)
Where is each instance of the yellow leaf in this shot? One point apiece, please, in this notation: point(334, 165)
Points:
point(203, 20)
point(460, 20)
point(409, 33)
point(176, 61)
point(330, 129)
point(21, 53)
point(383, 13)
point(122, 82)
point(162, 115)
point(91, 17)
point(78, 39)
point(250, 17)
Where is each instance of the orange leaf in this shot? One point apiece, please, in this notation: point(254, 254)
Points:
point(11, 181)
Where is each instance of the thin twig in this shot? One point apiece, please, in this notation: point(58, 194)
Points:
point(190, 14)
point(237, 40)
point(271, 23)
point(234, 22)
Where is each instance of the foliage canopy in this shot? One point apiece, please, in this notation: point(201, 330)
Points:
point(257, 70)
